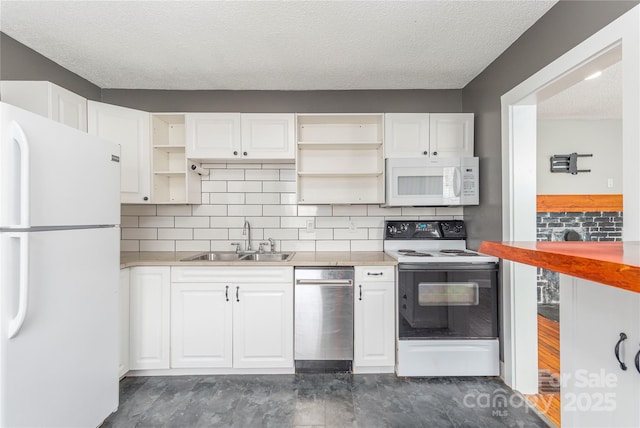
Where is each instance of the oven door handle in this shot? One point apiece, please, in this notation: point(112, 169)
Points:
point(326, 282)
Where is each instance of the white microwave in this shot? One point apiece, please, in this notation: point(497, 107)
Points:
point(432, 182)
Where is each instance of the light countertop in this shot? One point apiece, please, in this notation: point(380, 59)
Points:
point(301, 258)
point(613, 263)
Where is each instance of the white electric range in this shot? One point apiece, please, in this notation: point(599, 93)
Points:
point(447, 299)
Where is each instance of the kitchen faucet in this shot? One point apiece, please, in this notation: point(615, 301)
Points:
point(246, 230)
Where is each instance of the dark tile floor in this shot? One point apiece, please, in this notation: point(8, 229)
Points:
point(319, 400)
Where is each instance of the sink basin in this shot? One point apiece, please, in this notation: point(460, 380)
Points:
point(269, 257)
point(214, 256)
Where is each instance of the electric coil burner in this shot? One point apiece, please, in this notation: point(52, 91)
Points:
point(447, 300)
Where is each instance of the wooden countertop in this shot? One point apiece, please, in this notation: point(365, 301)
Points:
point(301, 258)
point(612, 263)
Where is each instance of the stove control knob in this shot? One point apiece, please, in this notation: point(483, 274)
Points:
point(404, 227)
point(392, 229)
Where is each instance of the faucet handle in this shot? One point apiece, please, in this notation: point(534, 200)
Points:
point(237, 244)
point(261, 246)
point(272, 245)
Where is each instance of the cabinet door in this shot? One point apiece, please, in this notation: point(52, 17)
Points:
point(213, 135)
point(68, 108)
point(451, 134)
point(129, 128)
point(596, 392)
point(201, 329)
point(124, 322)
point(268, 136)
point(406, 135)
point(374, 325)
point(149, 318)
point(263, 326)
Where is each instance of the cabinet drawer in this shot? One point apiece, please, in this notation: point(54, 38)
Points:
point(232, 274)
point(375, 273)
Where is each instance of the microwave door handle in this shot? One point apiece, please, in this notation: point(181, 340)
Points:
point(457, 182)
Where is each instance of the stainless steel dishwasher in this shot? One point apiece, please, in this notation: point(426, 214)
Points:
point(323, 318)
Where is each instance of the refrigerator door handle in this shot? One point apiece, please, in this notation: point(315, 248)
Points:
point(17, 134)
point(23, 297)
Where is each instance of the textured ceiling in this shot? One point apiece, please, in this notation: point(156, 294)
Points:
point(292, 45)
point(595, 99)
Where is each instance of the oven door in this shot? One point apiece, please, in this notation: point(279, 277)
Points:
point(447, 301)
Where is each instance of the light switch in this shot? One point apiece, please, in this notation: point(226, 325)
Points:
point(610, 183)
point(310, 226)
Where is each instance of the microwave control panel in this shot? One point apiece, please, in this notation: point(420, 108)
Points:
point(421, 229)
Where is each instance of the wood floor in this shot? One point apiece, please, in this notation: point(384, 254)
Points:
point(548, 399)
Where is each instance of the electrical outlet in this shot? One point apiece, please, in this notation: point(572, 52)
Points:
point(353, 226)
point(610, 183)
point(310, 226)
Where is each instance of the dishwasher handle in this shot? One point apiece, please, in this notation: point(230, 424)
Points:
point(326, 282)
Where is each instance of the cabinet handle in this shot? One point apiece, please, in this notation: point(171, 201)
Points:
point(146, 198)
point(226, 293)
point(425, 153)
point(374, 273)
point(237, 294)
point(360, 298)
point(637, 361)
point(623, 337)
point(435, 153)
point(244, 153)
point(235, 153)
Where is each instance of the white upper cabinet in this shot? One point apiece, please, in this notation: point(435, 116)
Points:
point(451, 134)
point(428, 134)
point(268, 136)
point(48, 100)
point(129, 128)
point(240, 136)
point(213, 135)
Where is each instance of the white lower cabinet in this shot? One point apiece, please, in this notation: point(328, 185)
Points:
point(374, 320)
point(595, 390)
point(123, 366)
point(232, 317)
point(149, 317)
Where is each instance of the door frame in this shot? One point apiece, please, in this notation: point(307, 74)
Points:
point(519, 119)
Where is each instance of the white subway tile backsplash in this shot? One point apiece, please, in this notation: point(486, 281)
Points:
point(192, 221)
point(278, 186)
point(214, 186)
point(244, 210)
point(175, 233)
point(265, 195)
point(262, 198)
point(210, 234)
point(351, 234)
point(349, 210)
point(139, 233)
point(369, 245)
point(280, 210)
point(146, 245)
point(226, 222)
point(146, 221)
point(332, 222)
point(128, 221)
point(296, 246)
point(333, 245)
point(314, 210)
point(244, 186)
point(181, 210)
point(226, 198)
point(209, 210)
point(262, 174)
point(193, 245)
point(226, 174)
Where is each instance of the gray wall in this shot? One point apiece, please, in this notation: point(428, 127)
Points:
point(18, 62)
point(566, 25)
point(373, 101)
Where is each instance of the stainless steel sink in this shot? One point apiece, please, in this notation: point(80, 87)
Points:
point(269, 257)
point(232, 256)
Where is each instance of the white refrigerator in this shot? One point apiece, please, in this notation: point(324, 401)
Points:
point(59, 273)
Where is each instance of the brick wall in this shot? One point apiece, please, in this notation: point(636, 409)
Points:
point(592, 226)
